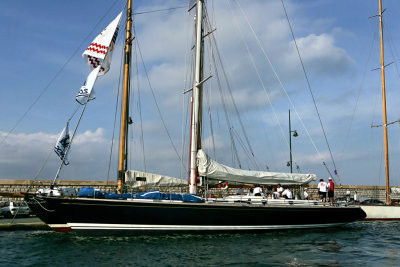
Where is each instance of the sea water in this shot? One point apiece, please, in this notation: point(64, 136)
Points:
point(356, 244)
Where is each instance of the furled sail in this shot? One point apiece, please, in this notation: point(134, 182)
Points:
point(214, 170)
point(139, 179)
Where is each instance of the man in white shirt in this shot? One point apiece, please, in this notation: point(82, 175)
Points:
point(257, 191)
point(322, 189)
point(287, 193)
point(356, 200)
point(305, 193)
point(279, 189)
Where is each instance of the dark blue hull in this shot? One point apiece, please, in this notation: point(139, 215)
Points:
point(101, 216)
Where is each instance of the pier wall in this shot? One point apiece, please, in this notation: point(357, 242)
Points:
point(20, 186)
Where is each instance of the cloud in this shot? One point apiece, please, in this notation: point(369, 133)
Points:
point(320, 55)
point(22, 155)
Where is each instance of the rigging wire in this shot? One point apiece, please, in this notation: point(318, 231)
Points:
point(230, 91)
point(159, 10)
point(209, 108)
point(260, 78)
point(119, 87)
point(235, 156)
point(186, 74)
point(52, 148)
point(70, 143)
point(219, 57)
point(228, 122)
point(374, 38)
point(309, 87)
point(393, 50)
point(56, 75)
point(139, 103)
point(282, 86)
point(157, 106)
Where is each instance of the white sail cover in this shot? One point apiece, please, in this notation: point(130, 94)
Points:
point(99, 52)
point(62, 144)
point(152, 179)
point(214, 170)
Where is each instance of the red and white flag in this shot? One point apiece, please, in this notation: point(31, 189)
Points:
point(99, 52)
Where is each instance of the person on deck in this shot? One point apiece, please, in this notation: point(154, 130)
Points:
point(275, 195)
point(305, 193)
point(322, 189)
point(279, 189)
point(257, 191)
point(268, 192)
point(331, 190)
point(287, 193)
point(239, 191)
point(356, 198)
point(250, 193)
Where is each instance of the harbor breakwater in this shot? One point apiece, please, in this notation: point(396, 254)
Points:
point(16, 186)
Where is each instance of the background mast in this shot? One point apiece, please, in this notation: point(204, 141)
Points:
point(385, 138)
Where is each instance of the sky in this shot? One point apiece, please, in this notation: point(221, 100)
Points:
point(42, 71)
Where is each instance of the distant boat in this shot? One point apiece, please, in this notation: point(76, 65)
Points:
point(378, 212)
point(124, 213)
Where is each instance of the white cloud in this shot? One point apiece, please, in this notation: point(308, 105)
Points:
point(22, 155)
point(320, 54)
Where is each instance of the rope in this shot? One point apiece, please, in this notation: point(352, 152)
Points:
point(159, 10)
point(358, 94)
point(261, 80)
point(115, 117)
point(185, 78)
point(281, 84)
point(156, 103)
point(231, 95)
point(69, 145)
point(309, 87)
point(140, 107)
point(228, 122)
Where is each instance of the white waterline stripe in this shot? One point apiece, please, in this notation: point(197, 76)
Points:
point(59, 225)
point(138, 227)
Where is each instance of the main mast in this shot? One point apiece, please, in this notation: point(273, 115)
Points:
point(122, 166)
point(385, 137)
point(195, 137)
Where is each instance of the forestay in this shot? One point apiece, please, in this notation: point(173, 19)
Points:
point(152, 179)
point(214, 170)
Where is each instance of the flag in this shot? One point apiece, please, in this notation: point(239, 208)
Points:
point(98, 57)
point(99, 52)
point(63, 143)
point(86, 92)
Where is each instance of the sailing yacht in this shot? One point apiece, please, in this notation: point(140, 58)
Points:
point(156, 212)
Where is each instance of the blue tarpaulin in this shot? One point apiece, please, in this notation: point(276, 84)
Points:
point(91, 192)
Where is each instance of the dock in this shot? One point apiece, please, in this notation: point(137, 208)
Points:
point(31, 223)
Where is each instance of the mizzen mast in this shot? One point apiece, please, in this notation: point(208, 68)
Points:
point(385, 136)
point(123, 147)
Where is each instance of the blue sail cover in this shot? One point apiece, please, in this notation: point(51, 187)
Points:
point(90, 192)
